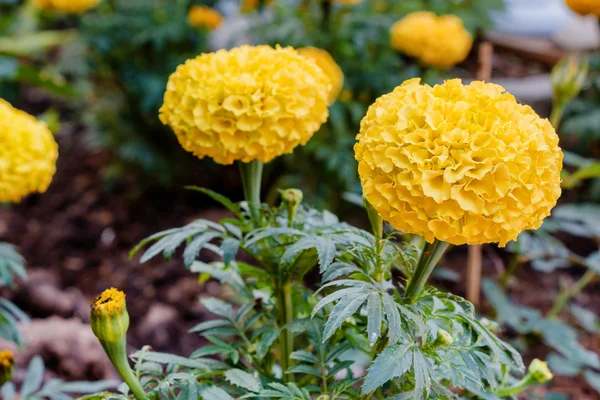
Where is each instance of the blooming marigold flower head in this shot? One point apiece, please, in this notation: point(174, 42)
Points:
point(67, 6)
point(28, 154)
point(204, 17)
point(329, 67)
point(458, 163)
point(248, 103)
point(440, 41)
point(585, 7)
point(109, 318)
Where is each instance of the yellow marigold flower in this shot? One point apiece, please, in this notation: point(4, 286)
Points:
point(329, 66)
point(585, 7)
point(251, 5)
point(109, 318)
point(204, 17)
point(248, 103)
point(458, 163)
point(436, 41)
point(67, 6)
point(7, 361)
point(28, 155)
point(539, 371)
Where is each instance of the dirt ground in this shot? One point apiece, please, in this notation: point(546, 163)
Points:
point(76, 239)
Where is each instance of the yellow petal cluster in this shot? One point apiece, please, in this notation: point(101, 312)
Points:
point(458, 163)
point(440, 41)
point(7, 359)
point(67, 6)
point(28, 154)
point(585, 7)
point(111, 301)
point(248, 103)
point(204, 17)
point(329, 67)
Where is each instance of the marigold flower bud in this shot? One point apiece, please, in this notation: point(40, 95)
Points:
point(443, 338)
point(28, 154)
point(568, 77)
point(585, 7)
point(439, 41)
point(67, 6)
point(291, 198)
point(333, 71)
point(7, 362)
point(539, 371)
point(109, 318)
point(204, 17)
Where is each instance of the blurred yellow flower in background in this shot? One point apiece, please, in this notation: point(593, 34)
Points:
point(347, 2)
point(435, 41)
point(7, 361)
point(204, 17)
point(67, 6)
point(329, 66)
point(585, 7)
point(28, 154)
point(248, 103)
point(458, 163)
point(251, 5)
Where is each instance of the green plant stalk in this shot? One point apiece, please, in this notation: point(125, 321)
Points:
point(431, 254)
point(116, 352)
point(251, 179)
point(562, 300)
point(377, 228)
point(512, 267)
point(517, 388)
point(326, 14)
point(557, 112)
point(286, 315)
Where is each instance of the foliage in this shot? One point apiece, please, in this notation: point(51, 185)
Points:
point(55, 389)
point(12, 265)
point(357, 320)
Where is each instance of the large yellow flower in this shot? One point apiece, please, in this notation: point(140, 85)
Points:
point(585, 7)
point(458, 163)
point(67, 6)
point(28, 154)
point(246, 103)
point(436, 41)
point(329, 66)
point(204, 17)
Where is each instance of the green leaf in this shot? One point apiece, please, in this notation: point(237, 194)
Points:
point(218, 307)
point(303, 355)
point(422, 372)
point(303, 369)
point(593, 379)
point(391, 363)
point(206, 364)
point(215, 323)
point(265, 233)
point(214, 393)
point(195, 246)
point(243, 379)
point(229, 247)
point(341, 312)
point(374, 313)
point(266, 341)
point(34, 377)
point(390, 307)
point(586, 318)
point(225, 202)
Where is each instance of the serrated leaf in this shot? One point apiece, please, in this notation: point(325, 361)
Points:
point(422, 374)
point(214, 393)
point(341, 312)
point(336, 296)
point(218, 307)
point(265, 343)
point(265, 233)
point(243, 379)
point(229, 247)
point(391, 363)
point(215, 323)
point(374, 314)
point(195, 246)
point(303, 369)
point(303, 355)
point(395, 331)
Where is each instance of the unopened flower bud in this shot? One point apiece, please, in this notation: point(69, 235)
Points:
point(568, 77)
point(291, 198)
point(7, 361)
point(323, 397)
point(443, 338)
point(109, 318)
point(539, 371)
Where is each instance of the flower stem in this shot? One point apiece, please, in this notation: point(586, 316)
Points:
point(251, 179)
point(516, 388)
point(556, 114)
point(431, 254)
point(286, 315)
point(117, 354)
point(516, 260)
point(566, 295)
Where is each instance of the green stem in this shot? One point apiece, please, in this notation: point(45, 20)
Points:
point(556, 114)
point(431, 254)
point(251, 179)
point(326, 14)
point(517, 388)
point(286, 315)
point(377, 228)
point(117, 354)
point(566, 295)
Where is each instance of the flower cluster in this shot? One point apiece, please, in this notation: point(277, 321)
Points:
point(440, 41)
point(585, 7)
point(67, 6)
point(458, 163)
point(204, 17)
point(246, 103)
point(28, 156)
point(329, 66)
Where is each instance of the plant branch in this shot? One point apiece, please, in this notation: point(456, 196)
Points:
point(562, 300)
point(251, 179)
point(431, 254)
